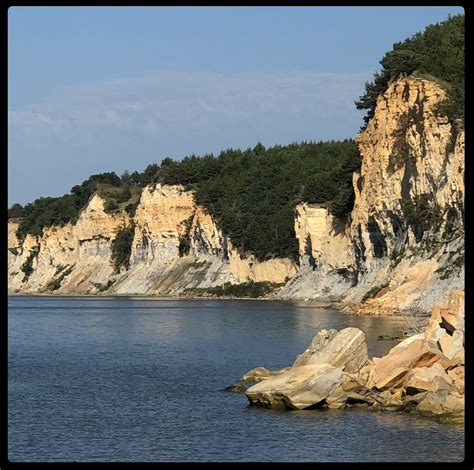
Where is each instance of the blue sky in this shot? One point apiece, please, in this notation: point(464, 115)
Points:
point(107, 89)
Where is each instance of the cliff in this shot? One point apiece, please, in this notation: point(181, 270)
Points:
point(401, 248)
point(392, 255)
point(77, 258)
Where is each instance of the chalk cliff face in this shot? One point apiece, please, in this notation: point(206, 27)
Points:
point(408, 152)
point(79, 250)
point(77, 258)
point(377, 261)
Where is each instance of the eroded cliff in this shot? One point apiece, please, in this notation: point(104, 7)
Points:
point(176, 246)
point(403, 246)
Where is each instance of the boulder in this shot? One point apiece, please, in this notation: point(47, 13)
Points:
point(435, 334)
point(298, 388)
point(451, 315)
point(441, 402)
point(430, 379)
point(336, 399)
point(319, 342)
point(410, 402)
point(391, 370)
point(452, 345)
point(346, 349)
point(392, 401)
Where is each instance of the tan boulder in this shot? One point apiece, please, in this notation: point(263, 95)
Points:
point(337, 399)
point(429, 379)
point(320, 341)
point(391, 370)
point(436, 334)
point(298, 388)
point(451, 315)
point(347, 349)
point(441, 402)
point(452, 345)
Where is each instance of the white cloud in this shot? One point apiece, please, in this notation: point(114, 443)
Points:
point(170, 104)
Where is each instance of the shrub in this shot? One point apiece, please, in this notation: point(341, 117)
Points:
point(122, 248)
point(55, 283)
point(373, 292)
point(27, 266)
point(246, 289)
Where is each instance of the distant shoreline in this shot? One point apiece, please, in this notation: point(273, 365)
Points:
point(317, 304)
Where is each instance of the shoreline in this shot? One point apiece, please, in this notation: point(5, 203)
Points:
point(317, 303)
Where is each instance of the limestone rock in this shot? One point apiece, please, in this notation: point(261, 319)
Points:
point(236, 388)
point(451, 315)
point(441, 402)
point(429, 379)
point(319, 342)
point(391, 370)
point(452, 345)
point(347, 349)
point(298, 388)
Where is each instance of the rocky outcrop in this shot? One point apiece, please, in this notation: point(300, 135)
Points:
point(401, 248)
point(385, 258)
point(67, 259)
point(176, 245)
point(418, 374)
point(327, 262)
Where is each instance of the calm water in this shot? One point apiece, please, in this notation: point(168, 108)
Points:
point(108, 379)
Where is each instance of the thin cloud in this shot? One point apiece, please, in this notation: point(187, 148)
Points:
point(170, 104)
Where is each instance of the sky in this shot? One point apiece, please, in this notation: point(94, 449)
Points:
point(95, 89)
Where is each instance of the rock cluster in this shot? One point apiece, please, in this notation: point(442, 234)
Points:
point(424, 373)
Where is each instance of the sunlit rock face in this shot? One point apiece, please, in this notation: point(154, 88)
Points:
point(377, 261)
point(176, 245)
point(408, 152)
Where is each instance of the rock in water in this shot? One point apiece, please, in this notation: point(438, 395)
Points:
point(346, 349)
point(392, 369)
point(236, 388)
point(298, 388)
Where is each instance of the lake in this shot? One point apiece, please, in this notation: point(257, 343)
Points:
point(126, 379)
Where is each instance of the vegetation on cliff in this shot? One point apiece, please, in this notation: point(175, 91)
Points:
point(252, 193)
point(49, 211)
point(250, 289)
point(435, 54)
point(122, 248)
point(27, 266)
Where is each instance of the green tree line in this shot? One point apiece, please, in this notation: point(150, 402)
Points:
point(436, 54)
point(251, 193)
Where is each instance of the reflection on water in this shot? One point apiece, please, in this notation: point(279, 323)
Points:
point(118, 379)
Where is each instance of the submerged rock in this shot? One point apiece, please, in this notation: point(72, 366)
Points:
point(260, 373)
point(236, 388)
